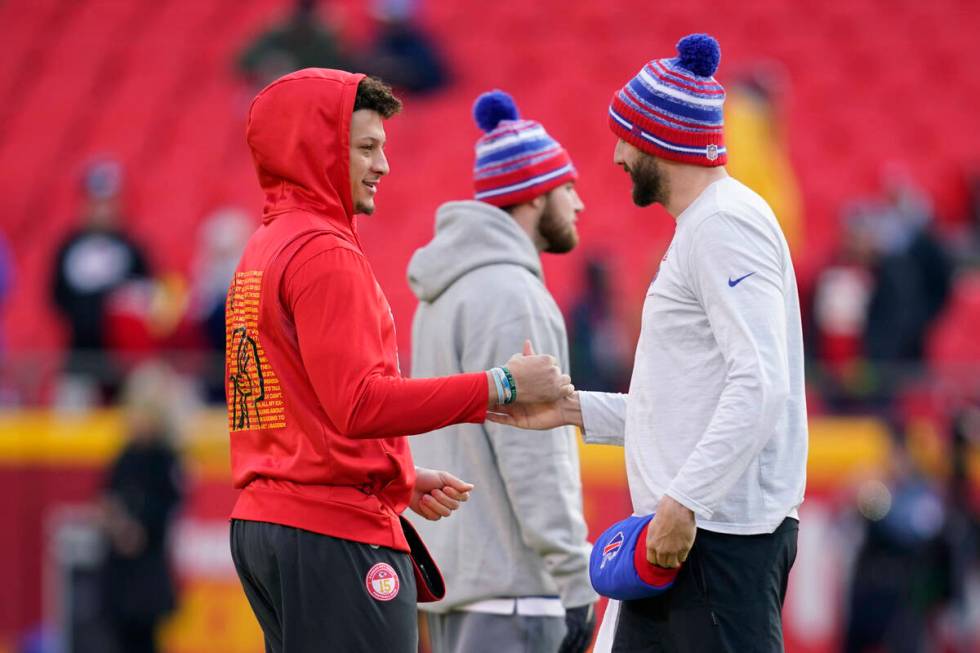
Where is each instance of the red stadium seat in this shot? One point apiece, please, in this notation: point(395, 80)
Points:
point(155, 84)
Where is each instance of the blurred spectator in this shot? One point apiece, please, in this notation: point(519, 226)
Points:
point(221, 241)
point(220, 244)
point(841, 294)
point(403, 54)
point(92, 262)
point(874, 304)
point(146, 318)
point(302, 41)
point(598, 349)
point(903, 573)
point(142, 318)
point(143, 491)
point(912, 273)
point(963, 525)
point(966, 442)
point(758, 152)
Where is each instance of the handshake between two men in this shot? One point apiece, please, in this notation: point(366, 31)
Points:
point(538, 378)
point(542, 397)
point(529, 382)
point(672, 532)
point(673, 529)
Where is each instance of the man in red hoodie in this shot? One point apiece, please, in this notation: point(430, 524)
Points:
point(317, 407)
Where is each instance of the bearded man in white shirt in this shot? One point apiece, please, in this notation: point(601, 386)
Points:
point(714, 424)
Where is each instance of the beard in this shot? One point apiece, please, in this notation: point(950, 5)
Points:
point(649, 184)
point(363, 207)
point(558, 233)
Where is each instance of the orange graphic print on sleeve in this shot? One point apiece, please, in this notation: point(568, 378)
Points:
point(254, 394)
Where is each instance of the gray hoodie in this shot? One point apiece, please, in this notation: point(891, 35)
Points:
point(522, 533)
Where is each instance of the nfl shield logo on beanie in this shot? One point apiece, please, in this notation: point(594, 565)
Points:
point(618, 566)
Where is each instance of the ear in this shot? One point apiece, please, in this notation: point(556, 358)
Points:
point(538, 203)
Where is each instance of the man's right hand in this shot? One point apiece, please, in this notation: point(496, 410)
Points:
point(566, 411)
point(538, 377)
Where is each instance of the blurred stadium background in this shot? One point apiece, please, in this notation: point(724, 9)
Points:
point(851, 117)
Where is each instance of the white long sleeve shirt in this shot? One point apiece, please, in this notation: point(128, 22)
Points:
point(716, 414)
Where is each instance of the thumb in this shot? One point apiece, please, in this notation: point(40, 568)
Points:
point(528, 348)
point(455, 483)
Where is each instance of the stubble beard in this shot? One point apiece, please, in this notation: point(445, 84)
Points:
point(649, 184)
point(560, 236)
point(363, 208)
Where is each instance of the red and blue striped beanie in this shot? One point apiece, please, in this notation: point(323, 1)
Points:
point(516, 160)
point(673, 107)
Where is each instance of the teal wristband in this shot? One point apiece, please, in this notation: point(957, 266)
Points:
point(513, 385)
point(506, 386)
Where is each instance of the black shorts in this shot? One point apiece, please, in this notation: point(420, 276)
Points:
point(313, 593)
point(727, 598)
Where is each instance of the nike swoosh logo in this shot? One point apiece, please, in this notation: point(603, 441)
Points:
point(733, 283)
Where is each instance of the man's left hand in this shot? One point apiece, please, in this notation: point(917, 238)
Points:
point(437, 494)
point(671, 534)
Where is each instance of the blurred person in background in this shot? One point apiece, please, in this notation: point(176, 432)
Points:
point(402, 53)
point(304, 40)
point(598, 349)
point(147, 318)
point(318, 409)
point(94, 260)
point(715, 423)
point(221, 241)
point(480, 285)
point(142, 321)
point(912, 275)
point(904, 573)
point(841, 294)
point(757, 141)
point(963, 528)
point(143, 491)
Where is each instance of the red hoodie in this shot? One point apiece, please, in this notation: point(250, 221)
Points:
point(317, 407)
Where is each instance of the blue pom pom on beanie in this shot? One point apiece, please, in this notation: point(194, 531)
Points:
point(492, 108)
point(699, 53)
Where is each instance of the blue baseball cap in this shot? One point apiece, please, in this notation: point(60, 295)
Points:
point(618, 566)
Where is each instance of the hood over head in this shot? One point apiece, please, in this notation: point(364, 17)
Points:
point(469, 235)
point(299, 134)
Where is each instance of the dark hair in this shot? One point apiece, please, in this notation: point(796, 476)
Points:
point(375, 95)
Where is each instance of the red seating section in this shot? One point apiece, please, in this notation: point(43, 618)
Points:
point(152, 83)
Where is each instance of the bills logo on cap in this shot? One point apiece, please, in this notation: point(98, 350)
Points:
point(630, 575)
point(382, 582)
point(610, 550)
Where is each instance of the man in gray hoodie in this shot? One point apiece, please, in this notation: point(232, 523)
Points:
point(516, 561)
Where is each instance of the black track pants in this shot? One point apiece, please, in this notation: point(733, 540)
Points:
point(728, 598)
point(313, 593)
